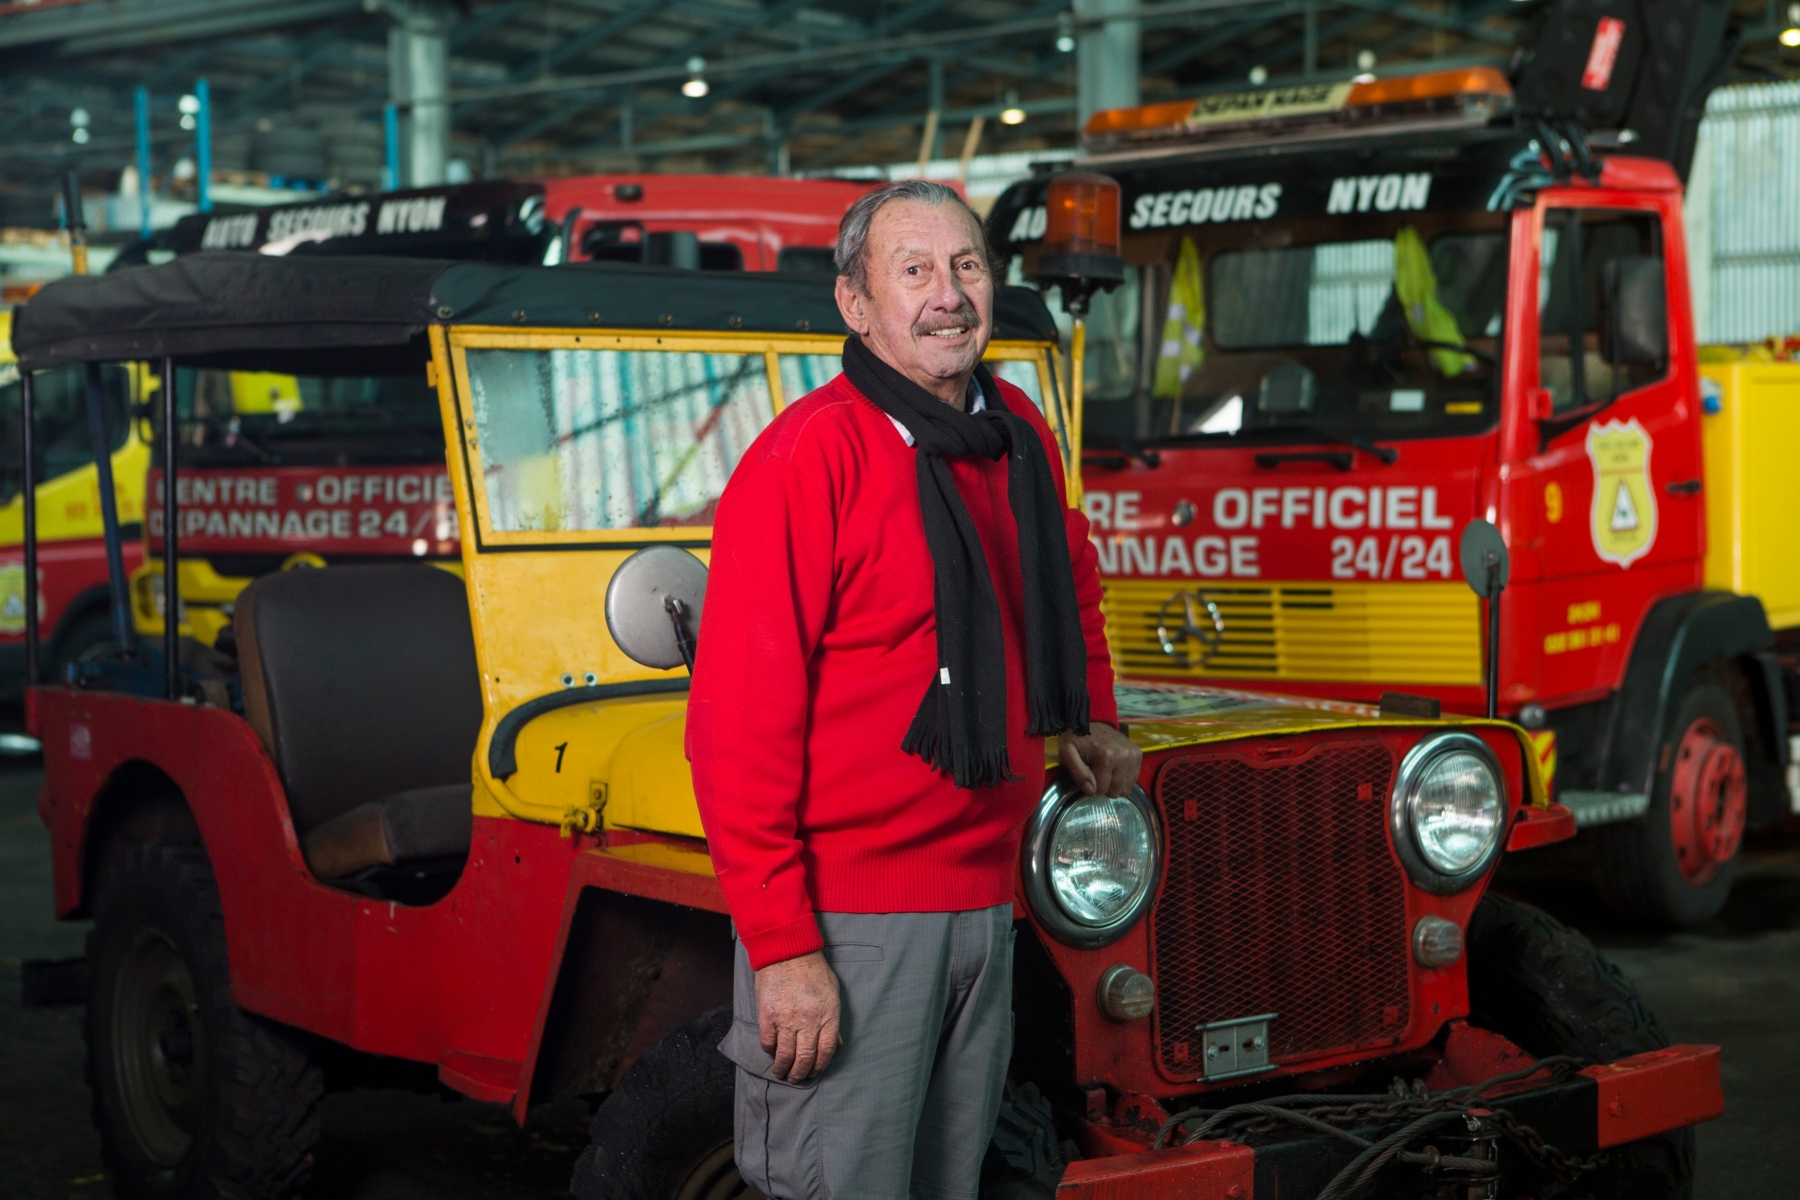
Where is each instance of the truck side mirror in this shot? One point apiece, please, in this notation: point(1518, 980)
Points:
point(1486, 568)
point(1637, 324)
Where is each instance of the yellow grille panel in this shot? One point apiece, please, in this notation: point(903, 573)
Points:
point(1393, 633)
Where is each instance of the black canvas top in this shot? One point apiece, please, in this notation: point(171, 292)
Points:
point(235, 309)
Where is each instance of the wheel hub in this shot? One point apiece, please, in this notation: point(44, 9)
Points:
point(715, 1177)
point(1708, 801)
point(159, 1050)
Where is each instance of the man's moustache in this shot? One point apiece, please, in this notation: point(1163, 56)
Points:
point(967, 318)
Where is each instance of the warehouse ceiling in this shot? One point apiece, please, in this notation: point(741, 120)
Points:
point(544, 87)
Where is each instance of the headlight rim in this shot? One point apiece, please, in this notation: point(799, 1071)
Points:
point(1404, 802)
point(1040, 892)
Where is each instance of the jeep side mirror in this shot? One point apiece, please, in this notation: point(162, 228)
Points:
point(653, 606)
point(1636, 331)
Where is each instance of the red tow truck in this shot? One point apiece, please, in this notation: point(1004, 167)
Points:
point(1361, 315)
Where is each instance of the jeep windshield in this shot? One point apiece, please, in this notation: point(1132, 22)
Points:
point(1352, 328)
point(239, 418)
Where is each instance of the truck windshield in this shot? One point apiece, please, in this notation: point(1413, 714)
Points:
point(64, 440)
point(234, 418)
point(1377, 327)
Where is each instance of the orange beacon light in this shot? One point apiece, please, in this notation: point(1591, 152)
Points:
point(1081, 237)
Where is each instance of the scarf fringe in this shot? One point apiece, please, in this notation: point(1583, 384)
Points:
point(970, 769)
point(1051, 716)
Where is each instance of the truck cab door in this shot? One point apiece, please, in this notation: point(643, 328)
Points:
point(1603, 490)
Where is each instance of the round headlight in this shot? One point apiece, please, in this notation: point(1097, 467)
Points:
point(1090, 863)
point(1449, 808)
point(1100, 858)
point(1457, 815)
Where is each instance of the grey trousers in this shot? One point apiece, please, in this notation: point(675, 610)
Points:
point(908, 1105)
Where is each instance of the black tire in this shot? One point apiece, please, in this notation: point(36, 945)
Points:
point(1549, 990)
point(88, 639)
point(1635, 868)
point(193, 1097)
point(665, 1133)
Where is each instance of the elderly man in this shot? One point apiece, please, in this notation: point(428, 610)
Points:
point(901, 608)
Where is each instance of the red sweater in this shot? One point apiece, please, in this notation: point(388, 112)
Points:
point(817, 643)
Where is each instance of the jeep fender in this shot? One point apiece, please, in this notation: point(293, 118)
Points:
point(1679, 635)
point(628, 970)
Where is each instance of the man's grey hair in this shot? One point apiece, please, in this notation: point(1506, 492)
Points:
point(853, 231)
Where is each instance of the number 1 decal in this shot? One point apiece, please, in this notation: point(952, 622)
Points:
point(559, 756)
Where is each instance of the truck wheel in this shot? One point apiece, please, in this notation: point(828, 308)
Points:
point(665, 1132)
point(1548, 990)
point(1674, 865)
point(87, 640)
point(192, 1096)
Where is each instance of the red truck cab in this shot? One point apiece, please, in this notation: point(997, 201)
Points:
point(712, 222)
point(1366, 315)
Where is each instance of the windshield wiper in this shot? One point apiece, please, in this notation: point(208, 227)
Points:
point(1118, 457)
point(1387, 454)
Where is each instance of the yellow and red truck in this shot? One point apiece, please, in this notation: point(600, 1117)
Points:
point(1360, 316)
point(72, 594)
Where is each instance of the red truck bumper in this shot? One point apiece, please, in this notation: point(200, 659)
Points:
point(1588, 1111)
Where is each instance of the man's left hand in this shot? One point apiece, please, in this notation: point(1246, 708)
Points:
point(1104, 763)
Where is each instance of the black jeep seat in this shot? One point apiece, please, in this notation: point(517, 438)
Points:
point(362, 683)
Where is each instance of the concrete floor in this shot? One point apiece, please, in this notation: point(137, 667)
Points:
point(1732, 984)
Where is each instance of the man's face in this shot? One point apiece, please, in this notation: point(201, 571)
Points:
point(929, 309)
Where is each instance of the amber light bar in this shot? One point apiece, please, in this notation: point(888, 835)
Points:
point(1471, 91)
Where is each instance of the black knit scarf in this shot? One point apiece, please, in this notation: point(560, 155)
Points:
point(961, 723)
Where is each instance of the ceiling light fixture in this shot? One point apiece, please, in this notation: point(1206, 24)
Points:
point(1259, 75)
point(695, 87)
point(1365, 60)
point(1790, 36)
point(1065, 33)
point(1012, 114)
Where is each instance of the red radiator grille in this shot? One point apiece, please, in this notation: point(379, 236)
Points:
point(1281, 896)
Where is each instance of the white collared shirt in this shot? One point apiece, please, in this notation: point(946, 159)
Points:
point(977, 403)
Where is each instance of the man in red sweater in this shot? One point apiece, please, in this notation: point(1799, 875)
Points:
point(901, 608)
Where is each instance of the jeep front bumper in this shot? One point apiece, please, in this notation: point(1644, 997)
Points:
point(1585, 1112)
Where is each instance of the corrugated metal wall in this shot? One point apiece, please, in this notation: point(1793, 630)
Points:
point(1743, 214)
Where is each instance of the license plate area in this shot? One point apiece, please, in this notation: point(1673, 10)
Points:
point(1237, 1047)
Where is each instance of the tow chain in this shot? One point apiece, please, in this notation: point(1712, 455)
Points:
point(1408, 1105)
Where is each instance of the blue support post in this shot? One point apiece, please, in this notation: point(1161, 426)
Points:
point(143, 161)
point(390, 174)
point(101, 437)
point(203, 144)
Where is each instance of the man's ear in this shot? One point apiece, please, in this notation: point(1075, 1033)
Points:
point(850, 304)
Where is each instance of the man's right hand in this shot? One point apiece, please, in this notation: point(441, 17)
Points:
point(797, 1015)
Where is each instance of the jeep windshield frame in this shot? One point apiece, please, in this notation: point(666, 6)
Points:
point(580, 439)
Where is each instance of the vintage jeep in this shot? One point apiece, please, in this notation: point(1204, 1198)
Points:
point(442, 822)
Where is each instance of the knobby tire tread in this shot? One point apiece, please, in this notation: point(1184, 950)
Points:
point(672, 1106)
point(262, 1110)
point(1548, 989)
